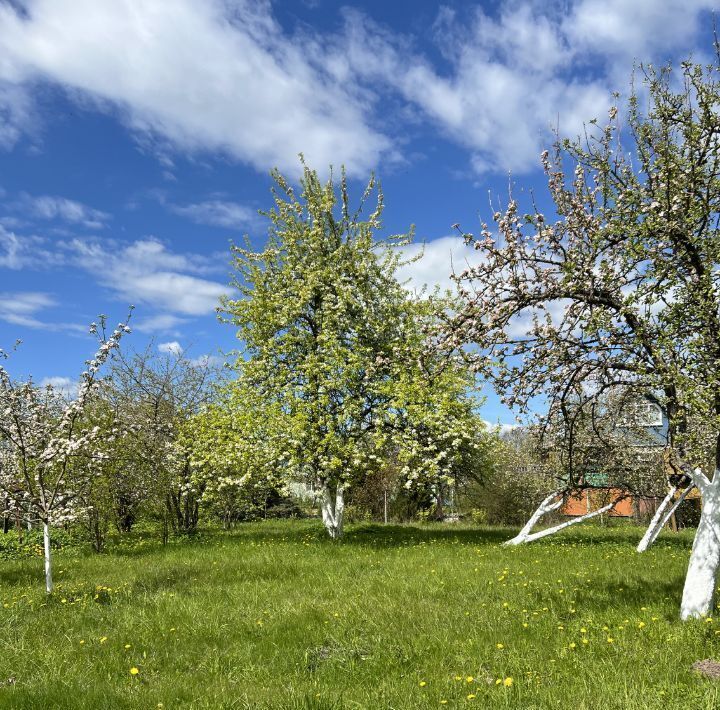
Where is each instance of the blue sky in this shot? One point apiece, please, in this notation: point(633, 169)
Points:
point(136, 137)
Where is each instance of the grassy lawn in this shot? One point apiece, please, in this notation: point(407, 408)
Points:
point(273, 615)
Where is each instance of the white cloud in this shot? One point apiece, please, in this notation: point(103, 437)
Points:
point(209, 361)
point(171, 348)
point(501, 428)
point(20, 308)
point(160, 323)
point(16, 112)
point(16, 252)
point(440, 259)
point(215, 75)
point(67, 387)
point(514, 76)
point(224, 76)
point(60, 208)
point(218, 213)
point(634, 30)
point(145, 272)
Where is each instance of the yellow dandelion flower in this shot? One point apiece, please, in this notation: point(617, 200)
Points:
point(585, 641)
point(641, 625)
point(508, 682)
point(134, 670)
point(422, 683)
point(499, 646)
point(610, 639)
point(443, 702)
point(103, 639)
point(471, 696)
point(572, 645)
point(127, 645)
point(469, 679)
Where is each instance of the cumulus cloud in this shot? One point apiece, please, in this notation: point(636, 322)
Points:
point(225, 76)
point(516, 75)
point(218, 213)
point(146, 272)
point(51, 207)
point(159, 323)
point(196, 75)
point(432, 264)
point(66, 386)
point(171, 348)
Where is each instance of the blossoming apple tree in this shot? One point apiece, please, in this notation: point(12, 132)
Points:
point(41, 436)
point(621, 285)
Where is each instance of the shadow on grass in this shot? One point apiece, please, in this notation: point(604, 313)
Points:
point(395, 535)
point(365, 534)
point(633, 596)
point(22, 572)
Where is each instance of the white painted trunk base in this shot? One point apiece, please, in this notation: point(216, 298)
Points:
point(662, 515)
point(699, 591)
point(547, 506)
point(333, 511)
point(48, 559)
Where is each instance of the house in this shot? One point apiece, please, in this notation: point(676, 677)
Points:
point(650, 416)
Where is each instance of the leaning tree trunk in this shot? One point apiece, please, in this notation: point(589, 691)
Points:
point(548, 506)
point(48, 559)
point(662, 515)
point(699, 591)
point(333, 509)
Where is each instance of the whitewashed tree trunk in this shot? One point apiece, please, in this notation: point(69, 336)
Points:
point(333, 509)
point(662, 515)
point(48, 559)
point(568, 523)
point(699, 591)
point(655, 525)
point(548, 505)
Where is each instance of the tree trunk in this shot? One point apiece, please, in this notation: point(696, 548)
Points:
point(699, 591)
point(662, 515)
point(48, 559)
point(333, 508)
point(573, 521)
point(547, 506)
point(385, 507)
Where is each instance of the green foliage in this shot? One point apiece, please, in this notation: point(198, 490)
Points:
point(339, 380)
point(319, 316)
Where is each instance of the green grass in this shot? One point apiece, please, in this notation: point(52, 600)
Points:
point(273, 615)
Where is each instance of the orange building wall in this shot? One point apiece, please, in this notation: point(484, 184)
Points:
point(592, 499)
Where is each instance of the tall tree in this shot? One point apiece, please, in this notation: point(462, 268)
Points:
point(327, 331)
point(622, 286)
